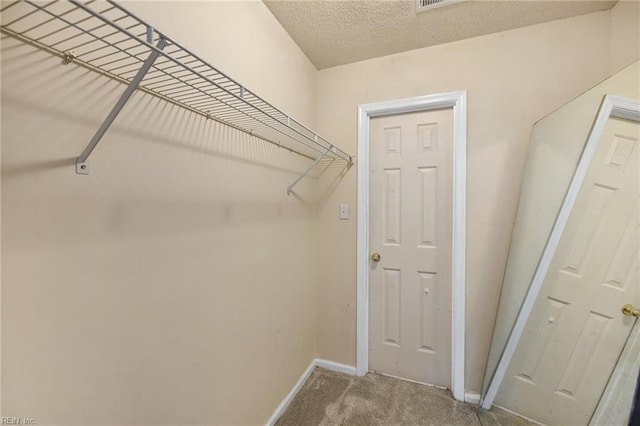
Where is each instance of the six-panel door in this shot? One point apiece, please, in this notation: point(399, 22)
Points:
point(411, 227)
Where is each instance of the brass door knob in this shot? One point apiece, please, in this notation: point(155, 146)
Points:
point(630, 311)
point(375, 257)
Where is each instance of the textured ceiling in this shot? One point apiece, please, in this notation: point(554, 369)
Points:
point(334, 32)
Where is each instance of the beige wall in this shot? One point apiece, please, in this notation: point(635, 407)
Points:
point(513, 79)
point(176, 283)
point(625, 34)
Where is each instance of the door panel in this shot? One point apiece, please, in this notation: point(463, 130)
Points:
point(576, 331)
point(411, 227)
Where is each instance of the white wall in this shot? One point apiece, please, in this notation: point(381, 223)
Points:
point(513, 79)
point(176, 283)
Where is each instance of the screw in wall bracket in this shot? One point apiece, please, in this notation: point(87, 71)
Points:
point(82, 168)
point(68, 57)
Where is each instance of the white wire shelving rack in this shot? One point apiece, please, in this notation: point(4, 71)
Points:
point(106, 38)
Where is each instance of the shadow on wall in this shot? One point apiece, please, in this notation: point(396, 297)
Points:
point(76, 95)
point(146, 281)
point(171, 153)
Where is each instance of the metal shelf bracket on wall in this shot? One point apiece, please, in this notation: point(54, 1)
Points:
point(106, 38)
point(316, 161)
point(82, 167)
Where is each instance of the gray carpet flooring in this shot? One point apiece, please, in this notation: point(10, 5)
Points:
point(329, 398)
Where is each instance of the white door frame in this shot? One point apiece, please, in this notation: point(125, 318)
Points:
point(457, 101)
point(612, 106)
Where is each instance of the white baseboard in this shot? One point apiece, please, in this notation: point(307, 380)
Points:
point(335, 366)
point(472, 398)
point(317, 362)
point(292, 394)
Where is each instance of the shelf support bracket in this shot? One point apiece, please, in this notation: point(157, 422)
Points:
point(82, 167)
point(317, 160)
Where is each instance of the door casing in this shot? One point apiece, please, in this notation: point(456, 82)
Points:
point(458, 102)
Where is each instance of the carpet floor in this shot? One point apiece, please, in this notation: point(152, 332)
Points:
point(329, 398)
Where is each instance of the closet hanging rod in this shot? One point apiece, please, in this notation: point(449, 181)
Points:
point(172, 73)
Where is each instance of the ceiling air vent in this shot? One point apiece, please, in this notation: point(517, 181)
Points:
point(423, 5)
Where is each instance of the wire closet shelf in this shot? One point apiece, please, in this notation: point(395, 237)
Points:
point(106, 38)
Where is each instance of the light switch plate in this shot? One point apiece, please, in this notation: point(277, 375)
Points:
point(344, 212)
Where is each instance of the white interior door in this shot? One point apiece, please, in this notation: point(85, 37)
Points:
point(411, 228)
point(576, 331)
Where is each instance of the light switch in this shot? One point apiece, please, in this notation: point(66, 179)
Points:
point(344, 211)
